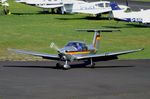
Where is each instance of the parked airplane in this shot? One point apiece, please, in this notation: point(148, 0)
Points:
point(72, 6)
point(45, 4)
point(142, 16)
point(78, 50)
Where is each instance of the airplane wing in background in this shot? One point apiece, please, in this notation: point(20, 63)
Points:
point(45, 56)
point(107, 56)
point(94, 12)
point(49, 6)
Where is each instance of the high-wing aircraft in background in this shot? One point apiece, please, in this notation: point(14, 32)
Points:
point(72, 6)
point(142, 16)
point(78, 50)
point(44, 4)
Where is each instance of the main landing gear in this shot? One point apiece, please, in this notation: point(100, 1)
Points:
point(92, 64)
point(66, 66)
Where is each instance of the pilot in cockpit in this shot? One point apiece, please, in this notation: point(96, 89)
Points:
point(79, 47)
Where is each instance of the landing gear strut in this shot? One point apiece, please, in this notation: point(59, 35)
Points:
point(92, 64)
point(66, 66)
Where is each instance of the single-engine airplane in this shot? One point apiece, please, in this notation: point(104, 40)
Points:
point(142, 16)
point(78, 50)
point(72, 6)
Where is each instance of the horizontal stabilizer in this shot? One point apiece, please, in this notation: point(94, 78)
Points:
point(98, 30)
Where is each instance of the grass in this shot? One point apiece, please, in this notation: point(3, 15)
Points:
point(27, 29)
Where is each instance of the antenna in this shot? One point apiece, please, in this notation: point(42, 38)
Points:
point(127, 3)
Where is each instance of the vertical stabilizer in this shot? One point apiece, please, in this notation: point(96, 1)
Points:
point(117, 12)
point(114, 6)
point(96, 39)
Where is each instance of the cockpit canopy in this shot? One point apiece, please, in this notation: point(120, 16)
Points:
point(80, 46)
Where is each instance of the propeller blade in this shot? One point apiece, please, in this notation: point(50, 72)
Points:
point(54, 46)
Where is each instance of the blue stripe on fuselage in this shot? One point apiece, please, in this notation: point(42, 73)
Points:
point(140, 20)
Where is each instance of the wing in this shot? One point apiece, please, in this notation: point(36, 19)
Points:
point(45, 56)
point(97, 11)
point(50, 6)
point(107, 56)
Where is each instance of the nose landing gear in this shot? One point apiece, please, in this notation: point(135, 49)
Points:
point(65, 66)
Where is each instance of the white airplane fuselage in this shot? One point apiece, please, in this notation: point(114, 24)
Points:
point(86, 7)
point(142, 16)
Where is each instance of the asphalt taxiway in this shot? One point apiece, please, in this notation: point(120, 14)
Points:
point(118, 79)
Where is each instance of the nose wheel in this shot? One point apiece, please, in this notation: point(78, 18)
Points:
point(65, 66)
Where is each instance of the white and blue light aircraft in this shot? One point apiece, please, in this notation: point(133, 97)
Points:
point(142, 16)
point(72, 6)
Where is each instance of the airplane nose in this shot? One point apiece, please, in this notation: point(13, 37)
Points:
point(62, 51)
point(62, 57)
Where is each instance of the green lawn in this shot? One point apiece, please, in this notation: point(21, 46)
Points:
point(26, 29)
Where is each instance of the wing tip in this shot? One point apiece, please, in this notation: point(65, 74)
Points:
point(141, 49)
point(10, 49)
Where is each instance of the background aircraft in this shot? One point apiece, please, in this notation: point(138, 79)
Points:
point(46, 5)
point(72, 6)
point(78, 50)
point(142, 16)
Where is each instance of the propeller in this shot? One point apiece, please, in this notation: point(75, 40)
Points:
point(62, 54)
point(54, 46)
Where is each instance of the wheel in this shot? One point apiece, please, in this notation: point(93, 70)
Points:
point(98, 15)
point(93, 65)
point(66, 67)
point(58, 65)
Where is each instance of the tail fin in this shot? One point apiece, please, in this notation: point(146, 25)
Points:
point(97, 35)
point(96, 39)
point(117, 12)
point(114, 6)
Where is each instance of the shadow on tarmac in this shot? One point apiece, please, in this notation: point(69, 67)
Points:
point(73, 66)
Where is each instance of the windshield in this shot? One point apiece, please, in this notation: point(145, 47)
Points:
point(79, 46)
